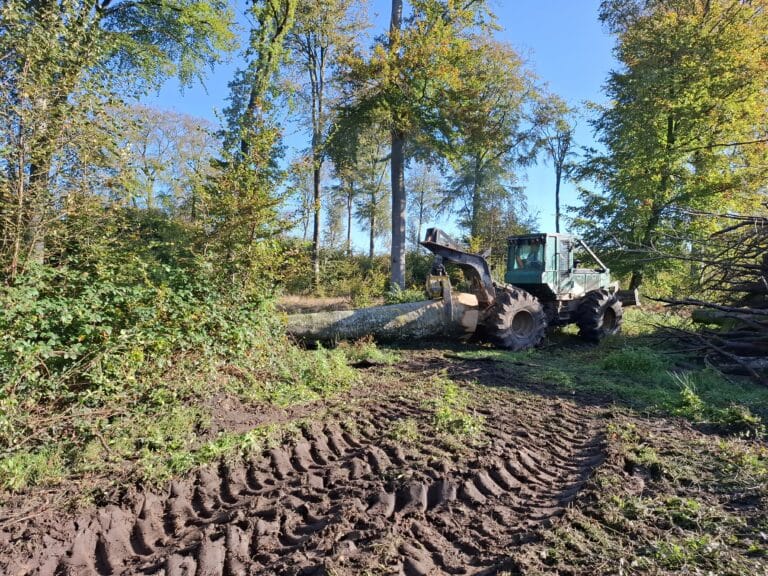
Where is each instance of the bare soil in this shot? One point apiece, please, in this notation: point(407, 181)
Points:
point(369, 486)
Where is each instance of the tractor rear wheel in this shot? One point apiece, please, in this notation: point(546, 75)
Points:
point(516, 321)
point(599, 315)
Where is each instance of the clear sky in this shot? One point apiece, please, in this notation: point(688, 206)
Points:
point(561, 40)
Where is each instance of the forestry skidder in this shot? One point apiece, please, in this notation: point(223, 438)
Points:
point(544, 287)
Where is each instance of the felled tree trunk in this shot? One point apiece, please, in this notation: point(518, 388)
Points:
point(454, 317)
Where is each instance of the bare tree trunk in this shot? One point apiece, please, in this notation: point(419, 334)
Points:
point(477, 205)
point(372, 234)
point(350, 194)
point(316, 230)
point(397, 259)
point(558, 178)
point(422, 194)
point(398, 210)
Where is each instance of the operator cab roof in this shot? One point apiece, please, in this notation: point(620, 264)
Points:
point(539, 236)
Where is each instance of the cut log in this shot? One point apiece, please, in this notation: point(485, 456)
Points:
point(730, 319)
point(454, 317)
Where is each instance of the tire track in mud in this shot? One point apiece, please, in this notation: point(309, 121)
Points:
point(343, 497)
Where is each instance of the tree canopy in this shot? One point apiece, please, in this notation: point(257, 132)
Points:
point(685, 129)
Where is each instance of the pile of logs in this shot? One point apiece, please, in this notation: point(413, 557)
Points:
point(735, 273)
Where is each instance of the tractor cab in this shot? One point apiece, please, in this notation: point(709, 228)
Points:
point(544, 265)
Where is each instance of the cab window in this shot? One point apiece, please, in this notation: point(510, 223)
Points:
point(528, 255)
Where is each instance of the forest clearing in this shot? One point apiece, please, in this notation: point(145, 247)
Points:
point(372, 287)
point(444, 459)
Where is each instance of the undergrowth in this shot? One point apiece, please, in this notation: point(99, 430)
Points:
point(107, 368)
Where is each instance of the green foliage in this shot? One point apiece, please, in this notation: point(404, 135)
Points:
point(64, 66)
point(366, 351)
point(733, 418)
point(490, 137)
point(452, 414)
point(108, 356)
point(397, 295)
point(405, 431)
point(632, 370)
point(30, 469)
point(418, 266)
point(682, 132)
point(303, 376)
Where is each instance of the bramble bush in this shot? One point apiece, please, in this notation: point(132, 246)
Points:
point(108, 352)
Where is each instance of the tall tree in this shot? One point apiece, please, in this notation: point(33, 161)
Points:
point(323, 31)
point(408, 75)
point(397, 164)
point(686, 127)
point(165, 159)
point(345, 193)
point(246, 187)
point(61, 64)
point(491, 134)
point(371, 164)
point(555, 126)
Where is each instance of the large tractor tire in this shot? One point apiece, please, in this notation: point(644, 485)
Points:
point(599, 315)
point(516, 321)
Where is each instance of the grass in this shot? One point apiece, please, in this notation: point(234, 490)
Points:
point(365, 351)
point(405, 431)
point(639, 371)
point(451, 412)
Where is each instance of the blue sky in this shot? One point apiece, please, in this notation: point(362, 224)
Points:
point(562, 41)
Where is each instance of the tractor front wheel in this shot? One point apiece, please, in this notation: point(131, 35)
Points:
point(516, 321)
point(599, 315)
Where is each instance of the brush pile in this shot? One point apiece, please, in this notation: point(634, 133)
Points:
point(734, 314)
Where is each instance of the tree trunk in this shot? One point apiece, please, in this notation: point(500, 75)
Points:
point(398, 210)
point(558, 178)
point(350, 194)
point(398, 322)
point(316, 229)
point(396, 19)
point(656, 206)
point(421, 220)
point(397, 259)
point(477, 203)
point(372, 233)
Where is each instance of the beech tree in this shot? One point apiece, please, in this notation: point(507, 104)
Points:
point(426, 198)
point(407, 76)
point(555, 127)
point(686, 127)
point(490, 134)
point(246, 202)
point(323, 31)
point(61, 63)
point(165, 159)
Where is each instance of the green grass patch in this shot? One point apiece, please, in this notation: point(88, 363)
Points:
point(39, 467)
point(634, 361)
point(452, 414)
point(640, 371)
point(365, 351)
point(405, 431)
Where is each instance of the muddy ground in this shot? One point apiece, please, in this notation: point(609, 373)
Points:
point(369, 484)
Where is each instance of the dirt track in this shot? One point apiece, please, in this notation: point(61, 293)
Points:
point(345, 497)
